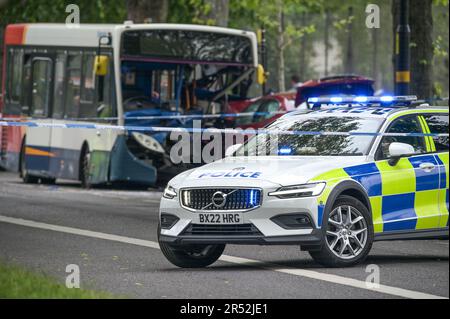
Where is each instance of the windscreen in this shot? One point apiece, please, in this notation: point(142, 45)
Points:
point(188, 46)
point(314, 145)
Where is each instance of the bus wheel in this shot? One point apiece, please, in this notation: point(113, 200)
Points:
point(84, 166)
point(48, 181)
point(27, 178)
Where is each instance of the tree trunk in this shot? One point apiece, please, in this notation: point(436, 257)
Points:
point(218, 13)
point(396, 21)
point(303, 48)
point(327, 40)
point(280, 48)
point(375, 59)
point(155, 11)
point(349, 60)
point(421, 23)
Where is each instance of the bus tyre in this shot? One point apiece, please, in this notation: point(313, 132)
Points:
point(27, 178)
point(191, 256)
point(85, 168)
point(348, 234)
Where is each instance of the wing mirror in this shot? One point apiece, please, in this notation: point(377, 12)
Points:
point(399, 150)
point(261, 75)
point(232, 149)
point(101, 65)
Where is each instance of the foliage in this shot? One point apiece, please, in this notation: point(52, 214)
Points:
point(17, 283)
point(302, 29)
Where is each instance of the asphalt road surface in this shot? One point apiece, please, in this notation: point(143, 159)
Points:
point(111, 236)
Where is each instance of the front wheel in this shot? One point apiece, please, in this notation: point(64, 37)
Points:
point(27, 178)
point(85, 163)
point(192, 256)
point(348, 234)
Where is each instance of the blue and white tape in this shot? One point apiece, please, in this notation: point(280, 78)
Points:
point(167, 117)
point(156, 129)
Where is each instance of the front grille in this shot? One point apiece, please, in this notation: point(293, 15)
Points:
point(235, 199)
point(222, 230)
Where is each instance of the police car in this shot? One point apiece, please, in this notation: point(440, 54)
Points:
point(332, 181)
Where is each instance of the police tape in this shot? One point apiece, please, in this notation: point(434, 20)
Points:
point(166, 117)
point(156, 129)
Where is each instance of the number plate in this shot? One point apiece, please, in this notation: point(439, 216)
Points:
point(220, 219)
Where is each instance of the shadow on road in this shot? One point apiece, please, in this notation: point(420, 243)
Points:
point(311, 265)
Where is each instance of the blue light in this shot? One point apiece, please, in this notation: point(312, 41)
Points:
point(361, 99)
point(387, 99)
point(336, 100)
point(313, 100)
point(285, 151)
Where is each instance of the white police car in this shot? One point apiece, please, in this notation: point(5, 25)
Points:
point(331, 194)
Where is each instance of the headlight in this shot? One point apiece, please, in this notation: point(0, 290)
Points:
point(296, 191)
point(148, 142)
point(170, 192)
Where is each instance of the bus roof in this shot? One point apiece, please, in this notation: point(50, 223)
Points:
point(87, 35)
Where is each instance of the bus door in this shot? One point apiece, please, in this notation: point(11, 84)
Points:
point(37, 147)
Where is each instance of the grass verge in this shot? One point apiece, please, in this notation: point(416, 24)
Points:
point(18, 283)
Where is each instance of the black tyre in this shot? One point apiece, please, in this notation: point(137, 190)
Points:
point(26, 177)
point(191, 256)
point(48, 181)
point(348, 234)
point(85, 163)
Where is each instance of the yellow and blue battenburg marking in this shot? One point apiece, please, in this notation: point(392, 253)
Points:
point(404, 197)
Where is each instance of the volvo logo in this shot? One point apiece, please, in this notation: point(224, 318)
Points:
point(219, 199)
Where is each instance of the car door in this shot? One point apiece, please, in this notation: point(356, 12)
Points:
point(410, 189)
point(438, 123)
point(37, 148)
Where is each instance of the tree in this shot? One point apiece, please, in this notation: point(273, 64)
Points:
point(216, 12)
point(421, 23)
point(155, 11)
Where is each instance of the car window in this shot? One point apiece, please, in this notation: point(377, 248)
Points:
point(254, 107)
point(406, 124)
point(438, 124)
point(269, 107)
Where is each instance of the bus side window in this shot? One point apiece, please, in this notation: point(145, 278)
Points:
point(26, 88)
point(73, 91)
point(60, 79)
point(42, 73)
point(105, 102)
point(88, 84)
point(15, 75)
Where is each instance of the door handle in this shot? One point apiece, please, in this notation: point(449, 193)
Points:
point(427, 167)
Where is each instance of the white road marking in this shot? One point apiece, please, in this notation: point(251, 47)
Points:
point(335, 279)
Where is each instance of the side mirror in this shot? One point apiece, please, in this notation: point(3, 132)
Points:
point(398, 151)
point(261, 75)
point(232, 149)
point(101, 65)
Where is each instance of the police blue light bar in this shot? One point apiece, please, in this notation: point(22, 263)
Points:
point(364, 100)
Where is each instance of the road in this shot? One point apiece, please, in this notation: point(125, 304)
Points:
point(111, 236)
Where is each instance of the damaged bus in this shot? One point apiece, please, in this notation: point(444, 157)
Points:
point(149, 75)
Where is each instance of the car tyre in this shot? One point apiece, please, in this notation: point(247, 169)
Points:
point(347, 241)
point(191, 256)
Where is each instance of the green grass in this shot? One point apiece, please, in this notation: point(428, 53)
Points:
point(18, 283)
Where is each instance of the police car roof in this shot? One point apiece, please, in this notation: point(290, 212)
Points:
point(364, 111)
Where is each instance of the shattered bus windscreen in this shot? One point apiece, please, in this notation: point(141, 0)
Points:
point(188, 46)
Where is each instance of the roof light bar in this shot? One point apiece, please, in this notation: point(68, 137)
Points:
point(382, 100)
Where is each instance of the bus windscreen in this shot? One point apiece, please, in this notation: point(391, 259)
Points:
point(188, 46)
